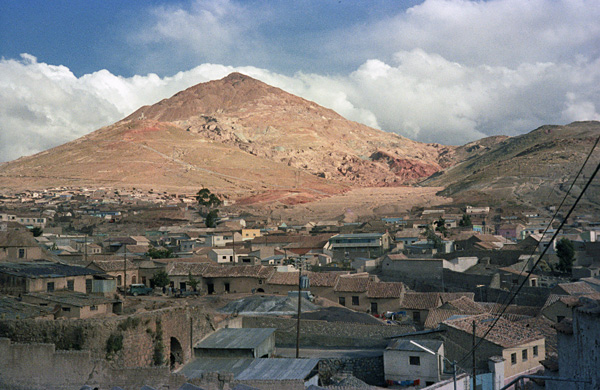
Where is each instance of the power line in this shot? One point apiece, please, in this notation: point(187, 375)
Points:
point(555, 215)
point(541, 256)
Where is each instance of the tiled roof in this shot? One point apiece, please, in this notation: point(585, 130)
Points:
point(575, 288)
point(495, 308)
point(184, 269)
point(17, 238)
point(451, 296)
point(316, 279)
point(505, 333)
point(113, 265)
point(437, 316)
point(352, 284)
point(238, 271)
point(465, 305)
point(545, 327)
point(420, 300)
point(385, 290)
point(309, 242)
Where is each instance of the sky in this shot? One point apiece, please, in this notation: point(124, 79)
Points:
point(445, 71)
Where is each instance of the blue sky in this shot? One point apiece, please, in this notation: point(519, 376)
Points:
point(447, 71)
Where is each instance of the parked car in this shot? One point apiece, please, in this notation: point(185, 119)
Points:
point(139, 289)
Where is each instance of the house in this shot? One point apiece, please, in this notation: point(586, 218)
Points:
point(510, 231)
point(238, 343)
point(347, 246)
point(222, 256)
point(575, 288)
point(404, 362)
point(119, 269)
point(70, 304)
point(418, 304)
point(510, 277)
point(242, 278)
point(321, 283)
point(13, 308)
point(182, 273)
point(384, 296)
point(460, 306)
point(17, 244)
point(522, 348)
point(45, 276)
point(351, 290)
point(249, 234)
point(559, 307)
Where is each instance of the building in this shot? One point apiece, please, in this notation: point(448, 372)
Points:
point(119, 269)
point(522, 348)
point(238, 343)
point(45, 276)
point(70, 304)
point(347, 246)
point(405, 362)
point(242, 278)
point(19, 245)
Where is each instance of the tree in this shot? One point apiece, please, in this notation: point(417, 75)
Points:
point(161, 279)
point(434, 238)
point(465, 221)
point(211, 218)
point(154, 253)
point(566, 254)
point(440, 226)
point(193, 282)
point(207, 199)
point(36, 231)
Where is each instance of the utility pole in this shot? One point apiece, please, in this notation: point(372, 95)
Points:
point(125, 270)
point(474, 372)
point(299, 312)
point(85, 249)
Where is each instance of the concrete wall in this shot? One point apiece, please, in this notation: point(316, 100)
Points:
point(398, 368)
point(521, 365)
point(327, 334)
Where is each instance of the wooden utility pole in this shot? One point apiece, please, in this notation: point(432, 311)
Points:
point(299, 312)
point(474, 372)
point(125, 270)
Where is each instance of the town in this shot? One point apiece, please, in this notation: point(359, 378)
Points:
point(114, 288)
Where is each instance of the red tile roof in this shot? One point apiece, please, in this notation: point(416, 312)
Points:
point(238, 271)
point(385, 290)
point(316, 279)
point(186, 268)
point(351, 283)
point(505, 333)
point(420, 301)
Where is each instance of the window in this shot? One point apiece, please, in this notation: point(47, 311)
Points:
point(417, 316)
point(71, 285)
point(50, 287)
point(559, 318)
point(342, 301)
point(524, 355)
point(355, 301)
point(66, 309)
point(535, 350)
point(513, 358)
point(414, 360)
point(88, 285)
point(93, 308)
point(21, 253)
point(227, 287)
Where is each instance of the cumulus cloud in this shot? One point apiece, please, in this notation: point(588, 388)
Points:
point(420, 95)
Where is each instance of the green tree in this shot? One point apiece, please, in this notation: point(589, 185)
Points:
point(440, 226)
point(434, 238)
point(193, 282)
point(161, 279)
point(154, 253)
point(212, 218)
point(465, 221)
point(566, 254)
point(207, 199)
point(36, 231)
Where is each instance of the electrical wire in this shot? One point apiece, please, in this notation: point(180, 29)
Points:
point(540, 258)
point(554, 216)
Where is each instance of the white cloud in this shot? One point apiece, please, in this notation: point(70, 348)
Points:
point(419, 95)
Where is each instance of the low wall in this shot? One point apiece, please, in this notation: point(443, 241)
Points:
point(367, 369)
point(327, 334)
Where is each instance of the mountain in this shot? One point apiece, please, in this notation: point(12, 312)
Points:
point(236, 136)
point(531, 169)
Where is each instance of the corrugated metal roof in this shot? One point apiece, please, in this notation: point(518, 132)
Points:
point(278, 369)
point(44, 269)
point(199, 367)
point(236, 338)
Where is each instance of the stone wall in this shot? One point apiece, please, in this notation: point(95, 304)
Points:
point(137, 340)
point(327, 334)
point(367, 369)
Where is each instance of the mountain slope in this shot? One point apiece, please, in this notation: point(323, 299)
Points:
point(237, 136)
point(533, 168)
